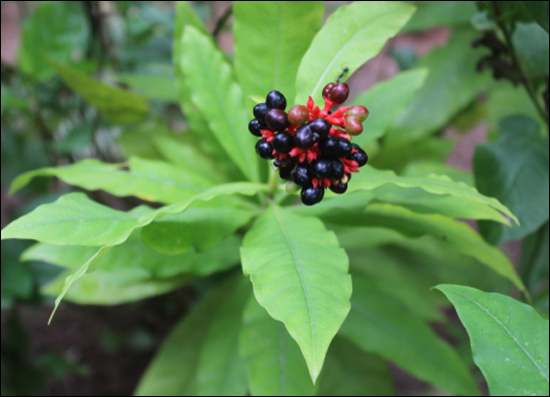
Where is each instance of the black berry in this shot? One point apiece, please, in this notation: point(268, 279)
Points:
point(275, 100)
point(260, 110)
point(311, 195)
point(360, 156)
point(277, 119)
point(305, 138)
point(339, 188)
point(321, 168)
point(285, 173)
point(254, 127)
point(301, 175)
point(264, 149)
point(283, 142)
point(343, 147)
point(320, 127)
point(336, 171)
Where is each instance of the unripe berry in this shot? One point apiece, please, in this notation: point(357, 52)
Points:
point(311, 195)
point(260, 110)
point(291, 187)
point(283, 142)
point(254, 127)
point(353, 126)
point(275, 100)
point(339, 93)
point(298, 115)
point(326, 90)
point(277, 119)
point(264, 149)
point(359, 112)
point(320, 127)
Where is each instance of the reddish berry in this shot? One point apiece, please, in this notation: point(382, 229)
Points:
point(359, 112)
point(353, 126)
point(339, 93)
point(327, 89)
point(298, 115)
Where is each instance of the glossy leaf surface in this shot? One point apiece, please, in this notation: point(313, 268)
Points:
point(509, 340)
point(300, 278)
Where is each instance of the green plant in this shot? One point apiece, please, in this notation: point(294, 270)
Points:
point(290, 324)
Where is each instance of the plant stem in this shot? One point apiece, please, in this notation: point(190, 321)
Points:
point(273, 184)
point(517, 63)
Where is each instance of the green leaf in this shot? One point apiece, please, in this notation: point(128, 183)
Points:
point(5, 96)
point(509, 340)
point(532, 45)
point(107, 288)
point(441, 97)
point(201, 228)
point(61, 40)
point(134, 254)
point(149, 180)
point(173, 371)
point(351, 36)
point(441, 13)
point(539, 11)
point(300, 278)
point(215, 93)
point(274, 362)
point(352, 372)
point(422, 169)
point(514, 169)
point(468, 201)
point(285, 29)
point(457, 235)
point(386, 101)
point(152, 86)
point(72, 220)
point(118, 105)
point(221, 370)
point(379, 324)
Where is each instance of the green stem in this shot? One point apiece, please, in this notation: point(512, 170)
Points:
point(273, 184)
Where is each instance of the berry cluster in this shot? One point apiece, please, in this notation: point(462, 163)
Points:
point(308, 147)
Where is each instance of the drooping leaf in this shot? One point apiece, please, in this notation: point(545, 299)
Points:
point(271, 38)
point(201, 228)
point(441, 13)
point(300, 278)
point(147, 179)
point(532, 45)
point(352, 372)
point(475, 204)
point(118, 105)
point(509, 340)
point(274, 362)
point(422, 169)
point(221, 370)
point(217, 95)
point(134, 254)
point(173, 371)
point(387, 100)
point(379, 324)
point(514, 170)
point(452, 83)
point(457, 235)
point(350, 37)
point(152, 86)
point(59, 40)
point(539, 11)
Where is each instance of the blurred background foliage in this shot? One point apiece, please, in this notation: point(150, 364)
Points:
point(88, 77)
